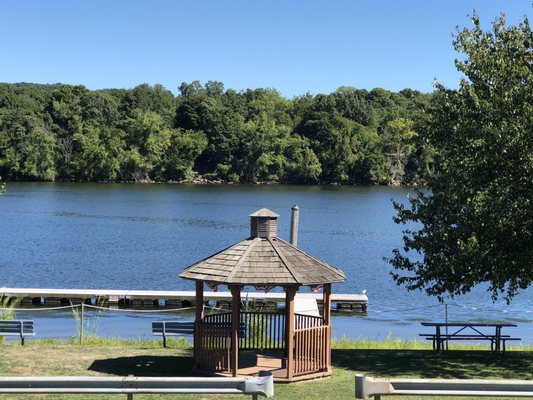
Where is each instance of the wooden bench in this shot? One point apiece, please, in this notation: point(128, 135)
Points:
point(181, 328)
point(172, 328)
point(492, 338)
point(21, 328)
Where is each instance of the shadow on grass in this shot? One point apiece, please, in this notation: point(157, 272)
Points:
point(388, 363)
point(145, 366)
point(428, 364)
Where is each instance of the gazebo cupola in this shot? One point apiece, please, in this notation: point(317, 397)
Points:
point(227, 340)
point(263, 223)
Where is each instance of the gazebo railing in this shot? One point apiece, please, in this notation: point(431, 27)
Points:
point(214, 333)
point(302, 321)
point(311, 344)
point(257, 331)
point(310, 349)
point(264, 331)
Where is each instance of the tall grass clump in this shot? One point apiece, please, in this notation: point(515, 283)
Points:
point(256, 328)
point(7, 309)
point(8, 306)
point(98, 341)
point(386, 344)
point(89, 326)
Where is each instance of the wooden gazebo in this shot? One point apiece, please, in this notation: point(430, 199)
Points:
point(242, 342)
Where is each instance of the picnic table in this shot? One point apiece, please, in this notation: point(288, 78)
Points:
point(468, 331)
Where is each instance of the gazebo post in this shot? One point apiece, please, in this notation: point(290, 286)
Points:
point(235, 322)
point(198, 319)
point(290, 292)
point(327, 321)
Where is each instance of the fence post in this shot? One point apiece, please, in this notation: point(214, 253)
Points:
point(446, 320)
point(82, 323)
point(129, 382)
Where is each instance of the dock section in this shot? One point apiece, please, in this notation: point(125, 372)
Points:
point(167, 298)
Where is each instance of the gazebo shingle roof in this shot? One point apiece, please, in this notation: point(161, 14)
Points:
point(264, 212)
point(263, 261)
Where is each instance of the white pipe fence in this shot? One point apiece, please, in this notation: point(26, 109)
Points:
point(263, 385)
point(366, 387)
point(84, 314)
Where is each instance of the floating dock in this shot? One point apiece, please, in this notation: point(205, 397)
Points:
point(167, 298)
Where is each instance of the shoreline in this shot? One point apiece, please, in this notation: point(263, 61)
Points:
point(129, 325)
point(213, 183)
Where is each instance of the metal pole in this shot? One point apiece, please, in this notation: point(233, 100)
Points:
point(130, 396)
point(82, 323)
point(294, 225)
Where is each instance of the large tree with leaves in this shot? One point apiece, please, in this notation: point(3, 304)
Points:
point(475, 223)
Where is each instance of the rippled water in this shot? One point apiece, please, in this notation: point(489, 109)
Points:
point(141, 236)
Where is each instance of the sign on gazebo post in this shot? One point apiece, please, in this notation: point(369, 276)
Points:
point(293, 346)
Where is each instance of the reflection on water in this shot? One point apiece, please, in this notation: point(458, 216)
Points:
point(190, 222)
point(141, 236)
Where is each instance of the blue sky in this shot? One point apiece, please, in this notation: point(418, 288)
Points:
point(291, 45)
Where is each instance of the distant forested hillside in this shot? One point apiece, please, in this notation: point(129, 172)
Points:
point(351, 136)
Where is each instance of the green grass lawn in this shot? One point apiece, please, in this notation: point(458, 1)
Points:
point(148, 358)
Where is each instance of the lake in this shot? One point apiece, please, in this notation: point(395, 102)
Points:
point(125, 236)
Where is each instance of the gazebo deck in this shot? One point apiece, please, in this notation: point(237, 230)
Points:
point(251, 363)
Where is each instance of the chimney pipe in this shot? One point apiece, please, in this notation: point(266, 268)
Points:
point(294, 225)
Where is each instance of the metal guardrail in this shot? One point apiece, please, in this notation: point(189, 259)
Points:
point(263, 385)
point(366, 387)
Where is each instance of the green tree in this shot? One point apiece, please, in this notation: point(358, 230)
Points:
point(475, 224)
point(269, 102)
point(93, 161)
point(351, 103)
point(260, 155)
point(420, 163)
point(189, 89)
point(221, 125)
point(398, 144)
point(100, 109)
point(368, 165)
point(26, 148)
point(66, 111)
point(301, 162)
point(148, 138)
point(184, 148)
point(154, 99)
point(214, 88)
point(347, 151)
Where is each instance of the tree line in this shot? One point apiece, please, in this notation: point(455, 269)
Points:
point(351, 136)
